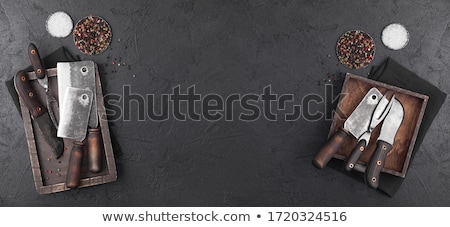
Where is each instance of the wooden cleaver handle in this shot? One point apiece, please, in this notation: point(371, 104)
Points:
point(95, 150)
point(376, 163)
point(330, 148)
point(74, 170)
point(355, 155)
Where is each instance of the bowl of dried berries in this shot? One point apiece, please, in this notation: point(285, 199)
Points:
point(355, 49)
point(92, 35)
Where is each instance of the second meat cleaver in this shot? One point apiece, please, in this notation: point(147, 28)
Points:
point(73, 125)
point(356, 124)
point(76, 106)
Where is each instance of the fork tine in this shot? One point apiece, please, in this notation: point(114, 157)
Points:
point(387, 108)
point(381, 111)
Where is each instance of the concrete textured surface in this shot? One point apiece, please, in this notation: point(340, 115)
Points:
point(227, 47)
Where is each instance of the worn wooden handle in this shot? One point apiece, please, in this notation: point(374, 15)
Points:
point(74, 169)
point(355, 155)
point(36, 61)
point(330, 148)
point(95, 150)
point(28, 95)
point(376, 163)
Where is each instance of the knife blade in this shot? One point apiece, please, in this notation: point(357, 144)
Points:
point(385, 143)
point(380, 112)
point(80, 74)
point(38, 113)
point(356, 124)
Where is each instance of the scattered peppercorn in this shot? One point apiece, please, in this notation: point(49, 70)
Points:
point(92, 35)
point(355, 49)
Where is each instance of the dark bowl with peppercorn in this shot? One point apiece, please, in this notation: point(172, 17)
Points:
point(92, 35)
point(355, 49)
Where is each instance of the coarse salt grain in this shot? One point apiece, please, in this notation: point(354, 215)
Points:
point(59, 24)
point(395, 36)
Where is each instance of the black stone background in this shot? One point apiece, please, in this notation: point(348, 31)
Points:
point(227, 47)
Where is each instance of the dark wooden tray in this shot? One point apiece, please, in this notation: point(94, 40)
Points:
point(50, 173)
point(397, 161)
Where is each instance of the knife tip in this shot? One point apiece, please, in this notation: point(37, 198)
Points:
point(59, 150)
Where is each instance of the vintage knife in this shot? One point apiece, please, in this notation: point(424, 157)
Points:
point(378, 116)
point(42, 78)
point(356, 124)
point(39, 113)
point(385, 143)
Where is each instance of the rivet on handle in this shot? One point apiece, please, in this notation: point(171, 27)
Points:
point(361, 148)
point(30, 94)
point(22, 78)
point(379, 163)
point(351, 165)
point(39, 71)
point(38, 109)
point(374, 179)
point(33, 52)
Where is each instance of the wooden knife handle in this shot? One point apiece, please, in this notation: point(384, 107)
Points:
point(376, 163)
point(74, 169)
point(330, 148)
point(95, 150)
point(28, 95)
point(36, 61)
point(355, 155)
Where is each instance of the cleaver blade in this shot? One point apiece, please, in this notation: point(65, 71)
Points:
point(79, 74)
point(74, 117)
point(356, 124)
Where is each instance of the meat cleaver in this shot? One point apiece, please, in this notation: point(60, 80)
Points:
point(82, 75)
point(356, 124)
point(73, 124)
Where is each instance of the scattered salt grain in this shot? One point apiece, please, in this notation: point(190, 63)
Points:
point(395, 36)
point(59, 24)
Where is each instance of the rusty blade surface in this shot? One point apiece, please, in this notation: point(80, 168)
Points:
point(392, 123)
point(358, 122)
